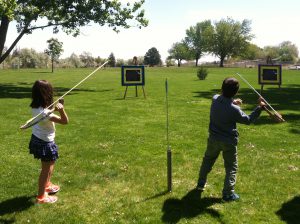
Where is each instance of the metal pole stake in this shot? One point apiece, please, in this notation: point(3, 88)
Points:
point(169, 151)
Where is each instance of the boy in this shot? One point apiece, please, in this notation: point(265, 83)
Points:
point(223, 136)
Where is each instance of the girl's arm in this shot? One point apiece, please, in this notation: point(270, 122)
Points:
point(63, 118)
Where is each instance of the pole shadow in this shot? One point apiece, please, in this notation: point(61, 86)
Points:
point(190, 206)
point(160, 194)
point(289, 211)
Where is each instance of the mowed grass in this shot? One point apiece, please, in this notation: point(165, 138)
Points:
point(112, 165)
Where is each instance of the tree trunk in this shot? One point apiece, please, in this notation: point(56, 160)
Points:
point(52, 60)
point(4, 56)
point(222, 62)
point(178, 62)
point(3, 33)
point(197, 59)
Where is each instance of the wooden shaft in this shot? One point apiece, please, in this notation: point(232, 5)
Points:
point(256, 92)
point(60, 99)
point(72, 89)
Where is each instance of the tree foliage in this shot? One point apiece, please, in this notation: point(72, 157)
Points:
point(152, 57)
point(288, 52)
point(112, 60)
point(87, 59)
point(271, 51)
point(69, 15)
point(252, 52)
point(180, 51)
point(29, 58)
point(75, 60)
point(197, 38)
point(54, 50)
point(230, 38)
point(227, 39)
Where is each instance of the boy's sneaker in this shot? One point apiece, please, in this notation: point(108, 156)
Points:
point(46, 199)
point(201, 186)
point(231, 197)
point(52, 189)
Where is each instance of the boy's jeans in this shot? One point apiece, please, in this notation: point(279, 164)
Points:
point(229, 152)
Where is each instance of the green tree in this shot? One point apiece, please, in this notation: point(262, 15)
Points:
point(75, 61)
point(288, 52)
point(179, 51)
point(120, 62)
point(285, 52)
point(197, 39)
point(169, 62)
point(99, 60)
point(152, 57)
point(54, 50)
point(66, 15)
point(252, 52)
point(271, 52)
point(112, 60)
point(28, 58)
point(230, 38)
point(87, 59)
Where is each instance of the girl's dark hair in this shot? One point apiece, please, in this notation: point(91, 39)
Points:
point(42, 94)
point(230, 87)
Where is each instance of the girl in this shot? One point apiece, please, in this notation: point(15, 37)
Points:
point(42, 144)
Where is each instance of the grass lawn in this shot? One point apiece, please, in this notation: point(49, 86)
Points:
point(112, 165)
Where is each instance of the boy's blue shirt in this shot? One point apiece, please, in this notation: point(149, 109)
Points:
point(223, 118)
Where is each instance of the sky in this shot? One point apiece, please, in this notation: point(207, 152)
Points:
point(272, 22)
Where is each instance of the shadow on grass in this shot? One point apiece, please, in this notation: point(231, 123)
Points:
point(7, 221)
point(16, 204)
point(43, 72)
point(190, 206)
point(23, 90)
point(289, 211)
point(287, 98)
point(157, 195)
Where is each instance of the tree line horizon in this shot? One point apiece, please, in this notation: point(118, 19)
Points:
point(226, 39)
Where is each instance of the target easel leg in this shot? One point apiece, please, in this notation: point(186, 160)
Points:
point(144, 92)
point(125, 92)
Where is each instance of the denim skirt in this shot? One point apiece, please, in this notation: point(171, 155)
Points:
point(46, 151)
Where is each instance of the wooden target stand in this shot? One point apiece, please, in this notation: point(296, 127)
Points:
point(136, 92)
point(269, 74)
point(133, 75)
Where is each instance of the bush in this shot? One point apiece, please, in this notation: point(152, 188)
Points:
point(202, 73)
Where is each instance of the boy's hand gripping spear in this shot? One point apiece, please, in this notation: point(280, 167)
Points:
point(45, 113)
point(268, 108)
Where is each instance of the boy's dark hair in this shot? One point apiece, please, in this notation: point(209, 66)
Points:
point(42, 94)
point(230, 87)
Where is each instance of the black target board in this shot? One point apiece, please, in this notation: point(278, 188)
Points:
point(269, 74)
point(133, 75)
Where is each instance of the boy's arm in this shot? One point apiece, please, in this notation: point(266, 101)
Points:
point(248, 119)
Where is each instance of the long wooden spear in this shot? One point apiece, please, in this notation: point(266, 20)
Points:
point(276, 116)
point(46, 112)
